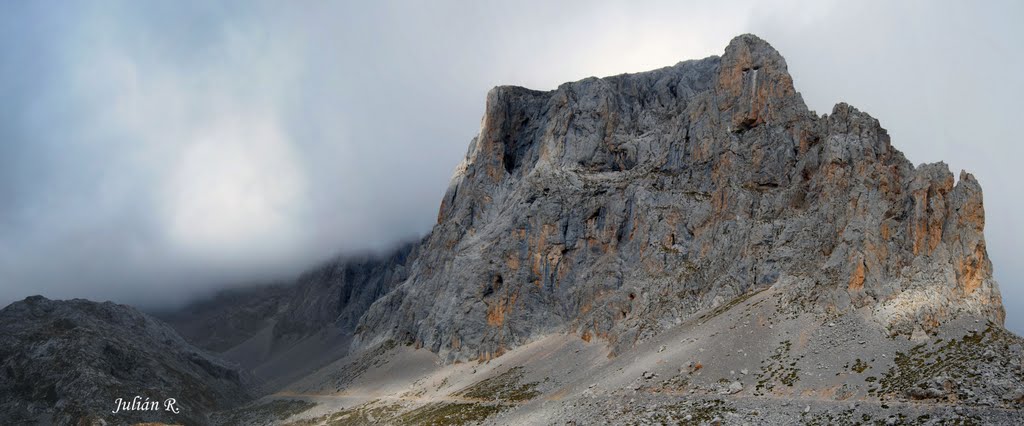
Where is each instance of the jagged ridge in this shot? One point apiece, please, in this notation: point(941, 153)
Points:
point(618, 206)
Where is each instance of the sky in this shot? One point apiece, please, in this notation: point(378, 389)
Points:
point(153, 152)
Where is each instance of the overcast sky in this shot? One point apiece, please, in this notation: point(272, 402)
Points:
point(152, 151)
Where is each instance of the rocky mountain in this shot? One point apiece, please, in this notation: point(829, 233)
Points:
point(229, 317)
point(281, 332)
point(687, 245)
point(619, 206)
point(68, 362)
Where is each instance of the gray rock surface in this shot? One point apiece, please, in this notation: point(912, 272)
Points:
point(334, 294)
point(282, 332)
point(339, 292)
point(619, 206)
point(799, 371)
point(66, 362)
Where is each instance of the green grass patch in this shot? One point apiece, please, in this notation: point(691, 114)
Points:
point(277, 410)
point(458, 413)
point(778, 368)
point(506, 386)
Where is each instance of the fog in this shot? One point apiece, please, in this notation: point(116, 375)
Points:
point(152, 152)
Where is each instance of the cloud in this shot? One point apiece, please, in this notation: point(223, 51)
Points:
point(236, 183)
point(150, 152)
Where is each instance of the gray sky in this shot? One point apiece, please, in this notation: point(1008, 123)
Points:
point(151, 151)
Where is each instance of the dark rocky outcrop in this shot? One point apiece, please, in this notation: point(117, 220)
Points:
point(338, 292)
point(66, 362)
point(282, 332)
point(229, 317)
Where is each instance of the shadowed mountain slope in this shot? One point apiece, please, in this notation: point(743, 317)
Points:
point(67, 362)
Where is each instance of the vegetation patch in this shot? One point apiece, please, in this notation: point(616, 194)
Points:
point(503, 387)
point(371, 413)
point(827, 418)
point(700, 412)
point(276, 411)
point(778, 368)
point(859, 366)
point(955, 361)
point(736, 301)
point(674, 385)
point(847, 418)
point(457, 413)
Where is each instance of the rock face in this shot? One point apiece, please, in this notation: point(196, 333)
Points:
point(282, 332)
point(334, 294)
point(67, 362)
point(339, 292)
point(230, 317)
point(619, 206)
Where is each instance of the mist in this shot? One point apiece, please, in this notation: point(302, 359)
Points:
point(151, 153)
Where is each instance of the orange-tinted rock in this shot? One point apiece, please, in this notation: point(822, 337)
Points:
point(615, 206)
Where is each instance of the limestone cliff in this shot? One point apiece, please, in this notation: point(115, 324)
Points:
point(619, 206)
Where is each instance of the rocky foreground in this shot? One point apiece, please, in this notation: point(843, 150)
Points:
point(67, 362)
point(759, 359)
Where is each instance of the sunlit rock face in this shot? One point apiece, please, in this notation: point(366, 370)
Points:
point(619, 206)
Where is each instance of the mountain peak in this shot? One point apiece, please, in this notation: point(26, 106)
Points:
point(755, 86)
point(703, 181)
point(752, 44)
point(616, 207)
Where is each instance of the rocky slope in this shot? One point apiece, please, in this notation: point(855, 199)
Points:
point(281, 332)
point(67, 362)
point(230, 317)
point(756, 360)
